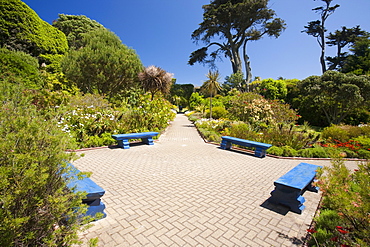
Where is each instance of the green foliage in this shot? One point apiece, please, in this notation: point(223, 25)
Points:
point(346, 205)
point(314, 152)
point(344, 133)
point(195, 101)
point(272, 89)
point(235, 81)
point(218, 112)
point(242, 130)
point(211, 129)
point(289, 151)
point(22, 29)
point(103, 65)
point(36, 209)
point(74, 27)
point(184, 92)
point(91, 120)
point(359, 61)
point(335, 94)
point(274, 150)
point(20, 64)
point(255, 109)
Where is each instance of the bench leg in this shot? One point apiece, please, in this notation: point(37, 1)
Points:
point(148, 140)
point(260, 152)
point(289, 197)
point(311, 187)
point(225, 144)
point(123, 144)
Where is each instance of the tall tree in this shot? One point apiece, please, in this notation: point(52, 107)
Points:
point(155, 79)
point(74, 26)
point(317, 28)
point(102, 65)
point(359, 61)
point(211, 86)
point(341, 39)
point(23, 30)
point(236, 22)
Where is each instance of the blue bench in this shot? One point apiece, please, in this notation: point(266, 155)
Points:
point(94, 191)
point(260, 147)
point(123, 139)
point(290, 187)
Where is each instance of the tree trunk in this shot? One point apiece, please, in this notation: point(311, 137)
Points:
point(210, 107)
point(248, 70)
point(322, 57)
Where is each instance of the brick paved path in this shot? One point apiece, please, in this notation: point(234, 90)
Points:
point(184, 192)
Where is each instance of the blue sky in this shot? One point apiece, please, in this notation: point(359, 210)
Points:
point(160, 32)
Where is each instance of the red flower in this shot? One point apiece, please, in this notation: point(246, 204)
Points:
point(335, 239)
point(311, 230)
point(340, 229)
point(356, 170)
point(345, 245)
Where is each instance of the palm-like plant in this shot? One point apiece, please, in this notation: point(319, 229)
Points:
point(155, 79)
point(211, 86)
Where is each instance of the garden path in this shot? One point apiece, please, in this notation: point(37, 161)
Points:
point(184, 192)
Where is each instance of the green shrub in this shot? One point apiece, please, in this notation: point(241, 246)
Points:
point(335, 132)
point(289, 151)
point(244, 131)
point(91, 120)
point(344, 133)
point(364, 141)
point(210, 135)
point(364, 154)
point(217, 112)
point(346, 193)
point(274, 150)
point(315, 152)
point(35, 207)
point(22, 65)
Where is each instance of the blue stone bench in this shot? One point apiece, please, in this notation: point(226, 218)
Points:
point(290, 187)
point(123, 139)
point(94, 191)
point(260, 148)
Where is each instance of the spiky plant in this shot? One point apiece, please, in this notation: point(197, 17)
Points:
point(211, 86)
point(154, 79)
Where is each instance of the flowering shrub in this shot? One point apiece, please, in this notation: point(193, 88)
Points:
point(344, 219)
point(211, 128)
point(92, 125)
point(256, 110)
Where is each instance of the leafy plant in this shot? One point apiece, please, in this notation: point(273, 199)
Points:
point(36, 209)
point(346, 205)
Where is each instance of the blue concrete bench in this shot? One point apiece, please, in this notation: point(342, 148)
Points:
point(260, 148)
point(290, 187)
point(94, 191)
point(123, 139)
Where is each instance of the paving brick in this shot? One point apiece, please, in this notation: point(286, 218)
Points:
point(182, 191)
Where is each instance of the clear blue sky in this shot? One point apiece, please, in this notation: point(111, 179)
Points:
point(160, 32)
